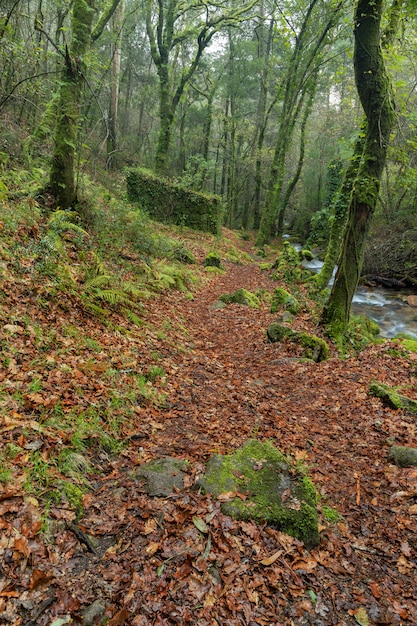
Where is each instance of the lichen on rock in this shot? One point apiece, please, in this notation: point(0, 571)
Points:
point(262, 487)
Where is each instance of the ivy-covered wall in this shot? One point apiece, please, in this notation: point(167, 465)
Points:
point(169, 202)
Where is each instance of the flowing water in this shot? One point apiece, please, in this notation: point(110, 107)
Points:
point(384, 306)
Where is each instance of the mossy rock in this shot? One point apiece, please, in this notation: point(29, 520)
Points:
point(283, 299)
point(403, 456)
point(306, 255)
point(314, 347)
point(183, 255)
point(213, 260)
point(241, 296)
point(391, 398)
point(162, 476)
point(270, 492)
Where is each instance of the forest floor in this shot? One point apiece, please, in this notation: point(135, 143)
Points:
point(141, 560)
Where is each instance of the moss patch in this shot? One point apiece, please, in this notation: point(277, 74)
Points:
point(170, 202)
point(268, 490)
point(391, 398)
point(283, 299)
point(314, 347)
point(241, 296)
point(213, 260)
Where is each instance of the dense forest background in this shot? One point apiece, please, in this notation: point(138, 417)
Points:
point(255, 102)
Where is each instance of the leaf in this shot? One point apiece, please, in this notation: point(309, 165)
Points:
point(200, 524)
point(376, 591)
point(150, 526)
point(361, 616)
point(152, 547)
point(271, 559)
point(313, 596)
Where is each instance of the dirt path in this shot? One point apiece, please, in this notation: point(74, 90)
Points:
point(224, 385)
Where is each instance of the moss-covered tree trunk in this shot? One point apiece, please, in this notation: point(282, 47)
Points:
point(62, 177)
point(339, 213)
point(62, 174)
point(374, 89)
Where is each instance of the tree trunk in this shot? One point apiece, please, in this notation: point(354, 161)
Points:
point(112, 139)
point(62, 178)
point(374, 89)
point(339, 214)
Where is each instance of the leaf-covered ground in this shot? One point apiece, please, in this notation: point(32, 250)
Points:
point(139, 560)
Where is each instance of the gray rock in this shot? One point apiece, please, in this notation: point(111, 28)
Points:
point(403, 456)
point(91, 612)
point(162, 476)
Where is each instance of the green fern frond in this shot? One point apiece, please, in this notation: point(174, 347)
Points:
point(95, 309)
point(97, 266)
point(114, 297)
point(50, 244)
point(60, 221)
point(97, 282)
point(132, 317)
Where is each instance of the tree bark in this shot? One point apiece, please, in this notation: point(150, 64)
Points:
point(375, 93)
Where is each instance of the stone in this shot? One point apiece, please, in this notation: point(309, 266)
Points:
point(403, 456)
point(162, 476)
point(392, 399)
point(314, 347)
point(255, 482)
point(241, 296)
point(91, 612)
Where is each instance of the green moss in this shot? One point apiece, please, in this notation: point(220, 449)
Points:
point(391, 398)
point(213, 260)
point(288, 265)
point(272, 492)
point(283, 299)
point(74, 495)
point(330, 515)
point(170, 202)
point(409, 344)
point(314, 347)
point(306, 255)
point(241, 296)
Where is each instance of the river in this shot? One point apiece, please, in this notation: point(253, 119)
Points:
point(384, 306)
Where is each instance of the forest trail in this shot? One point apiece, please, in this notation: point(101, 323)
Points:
point(224, 384)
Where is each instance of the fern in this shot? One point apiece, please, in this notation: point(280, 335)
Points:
point(132, 317)
point(60, 222)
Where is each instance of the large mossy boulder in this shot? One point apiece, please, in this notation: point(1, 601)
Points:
point(241, 296)
point(391, 398)
point(255, 482)
point(167, 201)
point(282, 299)
point(314, 348)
